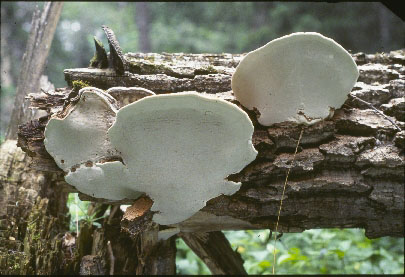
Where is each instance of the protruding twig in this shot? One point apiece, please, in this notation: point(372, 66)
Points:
point(44, 91)
point(377, 111)
point(112, 258)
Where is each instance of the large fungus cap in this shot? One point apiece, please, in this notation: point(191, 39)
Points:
point(301, 77)
point(176, 148)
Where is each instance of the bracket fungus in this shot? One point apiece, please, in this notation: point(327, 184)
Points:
point(79, 135)
point(302, 77)
point(127, 95)
point(176, 148)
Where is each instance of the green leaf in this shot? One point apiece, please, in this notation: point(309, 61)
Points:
point(264, 264)
point(339, 253)
point(294, 250)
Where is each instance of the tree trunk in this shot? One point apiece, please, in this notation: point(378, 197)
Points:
point(142, 19)
point(6, 76)
point(43, 28)
point(349, 172)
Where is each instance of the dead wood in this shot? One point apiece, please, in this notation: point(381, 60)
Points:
point(349, 170)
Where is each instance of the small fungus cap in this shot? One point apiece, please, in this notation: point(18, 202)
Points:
point(80, 135)
point(301, 77)
point(127, 95)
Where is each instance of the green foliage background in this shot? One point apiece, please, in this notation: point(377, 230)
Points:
point(321, 251)
point(318, 251)
point(216, 27)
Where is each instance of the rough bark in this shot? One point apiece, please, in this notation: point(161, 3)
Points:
point(349, 171)
point(43, 28)
point(28, 219)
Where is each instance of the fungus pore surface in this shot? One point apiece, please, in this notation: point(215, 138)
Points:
point(177, 148)
point(302, 77)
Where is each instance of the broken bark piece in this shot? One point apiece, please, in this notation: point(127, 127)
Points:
point(395, 107)
point(397, 88)
point(373, 94)
point(116, 57)
point(99, 59)
point(399, 139)
point(363, 122)
point(285, 135)
point(383, 156)
point(380, 73)
point(344, 149)
point(92, 265)
point(396, 56)
point(305, 161)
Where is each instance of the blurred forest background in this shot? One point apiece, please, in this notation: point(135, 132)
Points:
point(196, 27)
point(219, 27)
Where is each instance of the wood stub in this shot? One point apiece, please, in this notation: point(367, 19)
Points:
point(137, 217)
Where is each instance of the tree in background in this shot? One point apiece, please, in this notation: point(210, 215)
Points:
point(142, 20)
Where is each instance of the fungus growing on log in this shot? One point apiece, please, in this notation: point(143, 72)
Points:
point(79, 135)
point(302, 77)
point(178, 149)
point(128, 95)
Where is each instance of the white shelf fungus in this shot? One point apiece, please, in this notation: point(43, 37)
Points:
point(128, 95)
point(81, 135)
point(301, 77)
point(176, 148)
